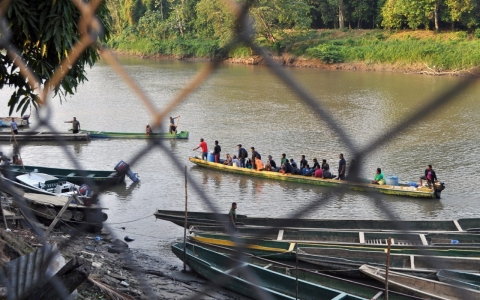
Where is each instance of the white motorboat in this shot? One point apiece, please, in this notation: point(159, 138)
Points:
point(51, 184)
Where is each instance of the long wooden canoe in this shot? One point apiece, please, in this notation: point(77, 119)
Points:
point(282, 246)
point(421, 287)
point(228, 272)
point(347, 262)
point(407, 191)
point(44, 136)
point(355, 288)
point(134, 135)
point(208, 219)
point(355, 238)
point(458, 278)
point(75, 176)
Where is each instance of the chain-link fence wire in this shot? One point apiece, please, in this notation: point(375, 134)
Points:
point(90, 29)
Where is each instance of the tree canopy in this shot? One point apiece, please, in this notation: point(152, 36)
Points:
point(43, 31)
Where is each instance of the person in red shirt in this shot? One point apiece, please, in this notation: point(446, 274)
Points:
point(204, 147)
point(318, 172)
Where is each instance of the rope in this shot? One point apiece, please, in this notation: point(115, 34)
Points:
point(150, 215)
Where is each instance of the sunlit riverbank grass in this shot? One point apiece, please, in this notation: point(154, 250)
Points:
point(442, 51)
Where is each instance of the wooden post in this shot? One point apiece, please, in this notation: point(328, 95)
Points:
point(59, 215)
point(389, 241)
point(296, 275)
point(185, 226)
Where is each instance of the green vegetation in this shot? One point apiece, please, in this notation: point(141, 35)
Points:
point(440, 33)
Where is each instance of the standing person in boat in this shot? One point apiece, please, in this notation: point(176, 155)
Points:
point(148, 130)
point(204, 147)
point(342, 167)
point(303, 162)
point(232, 217)
point(283, 159)
point(173, 127)
point(216, 152)
point(254, 155)
point(14, 126)
point(430, 175)
point(379, 178)
point(242, 155)
point(75, 125)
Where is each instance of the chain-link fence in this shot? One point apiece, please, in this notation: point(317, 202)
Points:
point(243, 29)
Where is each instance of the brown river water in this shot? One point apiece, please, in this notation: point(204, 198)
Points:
point(248, 105)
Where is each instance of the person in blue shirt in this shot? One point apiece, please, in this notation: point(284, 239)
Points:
point(14, 126)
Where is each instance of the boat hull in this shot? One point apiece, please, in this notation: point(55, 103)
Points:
point(133, 135)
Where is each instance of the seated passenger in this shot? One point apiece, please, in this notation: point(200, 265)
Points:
point(315, 163)
point(286, 168)
point(271, 165)
point(228, 160)
point(148, 130)
point(325, 166)
point(318, 172)
point(293, 163)
point(248, 163)
point(303, 162)
point(258, 163)
point(307, 171)
point(379, 178)
point(327, 174)
point(236, 162)
point(295, 169)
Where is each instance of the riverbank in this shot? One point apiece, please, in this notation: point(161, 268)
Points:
point(413, 52)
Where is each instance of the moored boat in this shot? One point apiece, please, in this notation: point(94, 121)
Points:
point(459, 278)
point(99, 177)
point(209, 219)
point(51, 184)
point(355, 288)
point(21, 121)
point(400, 190)
point(228, 272)
point(43, 136)
point(421, 287)
point(134, 135)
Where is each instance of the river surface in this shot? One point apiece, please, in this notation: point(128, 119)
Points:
point(248, 105)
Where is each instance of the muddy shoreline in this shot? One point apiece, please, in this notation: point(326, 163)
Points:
point(300, 62)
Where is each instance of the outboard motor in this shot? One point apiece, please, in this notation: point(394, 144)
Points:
point(123, 167)
point(84, 190)
point(438, 187)
point(26, 118)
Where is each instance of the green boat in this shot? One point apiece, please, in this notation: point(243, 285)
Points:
point(401, 190)
point(458, 278)
point(286, 249)
point(70, 175)
point(209, 219)
point(370, 238)
point(355, 288)
point(227, 272)
point(132, 135)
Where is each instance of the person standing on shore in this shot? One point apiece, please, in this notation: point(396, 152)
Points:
point(232, 217)
point(14, 126)
point(204, 147)
point(75, 125)
point(342, 165)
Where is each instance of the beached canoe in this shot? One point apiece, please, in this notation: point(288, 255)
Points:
point(208, 219)
point(359, 289)
point(401, 190)
point(71, 175)
point(459, 278)
point(347, 262)
point(223, 270)
point(355, 238)
point(132, 135)
point(421, 287)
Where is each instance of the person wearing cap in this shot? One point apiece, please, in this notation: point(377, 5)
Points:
point(242, 155)
point(173, 127)
point(14, 126)
point(204, 147)
point(303, 162)
point(75, 125)
point(148, 130)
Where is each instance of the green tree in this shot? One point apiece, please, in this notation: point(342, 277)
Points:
point(216, 20)
point(362, 11)
point(43, 31)
point(460, 10)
